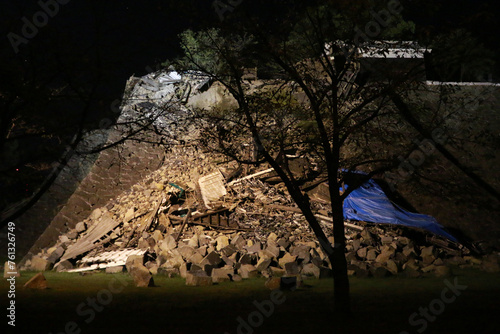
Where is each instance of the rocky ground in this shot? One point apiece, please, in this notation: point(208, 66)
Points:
point(172, 223)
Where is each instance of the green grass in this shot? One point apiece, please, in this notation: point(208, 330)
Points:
point(379, 305)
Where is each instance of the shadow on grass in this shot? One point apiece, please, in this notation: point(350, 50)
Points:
point(89, 304)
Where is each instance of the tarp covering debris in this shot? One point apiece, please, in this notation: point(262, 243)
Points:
point(369, 203)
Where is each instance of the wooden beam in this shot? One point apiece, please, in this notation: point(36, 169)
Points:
point(347, 225)
point(232, 183)
point(186, 218)
point(323, 218)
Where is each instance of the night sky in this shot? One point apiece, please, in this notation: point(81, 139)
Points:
point(91, 47)
point(125, 37)
point(130, 36)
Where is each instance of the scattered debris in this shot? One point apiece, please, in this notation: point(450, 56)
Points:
point(189, 219)
point(37, 282)
point(212, 188)
point(141, 275)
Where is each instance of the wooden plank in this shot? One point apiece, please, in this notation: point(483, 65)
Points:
point(232, 183)
point(183, 224)
point(347, 225)
point(323, 218)
point(212, 187)
point(151, 217)
point(198, 216)
point(92, 239)
point(146, 223)
point(208, 213)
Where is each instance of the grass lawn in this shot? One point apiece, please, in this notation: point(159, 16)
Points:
point(379, 305)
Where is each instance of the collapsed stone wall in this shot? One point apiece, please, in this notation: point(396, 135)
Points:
point(147, 236)
point(115, 170)
point(90, 181)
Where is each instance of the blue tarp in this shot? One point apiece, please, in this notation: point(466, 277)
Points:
point(369, 203)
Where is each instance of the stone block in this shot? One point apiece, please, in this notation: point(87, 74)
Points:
point(275, 271)
point(263, 264)
point(239, 242)
point(246, 259)
point(386, 240)
point(168, 243)
point(37, 282)
point(248, 271)
point(222, 241)
point(141, 275)
point(194, 241)
point(228, 261)
point(40, 264)
point(81, 227)
point(169, 272)
point(310, 269)
point(72, 235)
point(196, 258)
point(292, 268)
point(221, 275)
point(114, 270)
point(254, 249)
point(152, 267)
point(56, 255)
point(134, 260)
point(186, 251)
point(286, 259)
point(198, 278)
point(283, 243)
point(63, 266)
point(392, 267)
point(273, 283)
point(362, 252)
point(211, 259)
point(229, 250)
point(183, 270)
point(427, 251)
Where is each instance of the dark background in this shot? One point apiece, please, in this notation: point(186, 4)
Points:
point(65, 79)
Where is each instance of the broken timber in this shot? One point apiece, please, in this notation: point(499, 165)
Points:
point(232, 183)
point(97, 235)
point(186, 218)
point(217, 219)
point(212, 187)
point(151, 216)
point(321, 217)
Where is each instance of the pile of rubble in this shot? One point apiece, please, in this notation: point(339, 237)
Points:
point(198, 218)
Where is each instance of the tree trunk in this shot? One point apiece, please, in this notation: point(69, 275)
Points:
point(336, 255)
point(342, 300)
